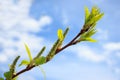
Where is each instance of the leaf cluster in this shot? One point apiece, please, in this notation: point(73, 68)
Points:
point(89, 28)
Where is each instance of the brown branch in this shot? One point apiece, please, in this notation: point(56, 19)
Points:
point(22, 71)
point(72, 42)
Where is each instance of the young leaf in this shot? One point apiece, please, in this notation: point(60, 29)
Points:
point(8, 75)
point(57, 44)
point(65, 32)
point(87, 13)
point(95, 11)
point(42, 70)
point(28, 52)
point(89, 33)
point(53, 50)
point(90, 40)
point(60, 34)
point(98, 17)
point(40, 60)
point(13, 65)
point(24, 62)
point(40, 53)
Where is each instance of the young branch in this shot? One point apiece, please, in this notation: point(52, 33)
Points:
point(85, 34)
point(57, 51)
point(22, 71)
point(72, 42)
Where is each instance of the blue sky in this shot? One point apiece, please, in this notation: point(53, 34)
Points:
point(36, 22)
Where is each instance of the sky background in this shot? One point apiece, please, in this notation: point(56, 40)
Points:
point(36, 22)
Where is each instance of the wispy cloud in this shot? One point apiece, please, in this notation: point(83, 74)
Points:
point(112, 46)
point(72, 70)
point(3, 58)
point(102, 35)
point(108, 53)
point(15, 27)
point(85, 52)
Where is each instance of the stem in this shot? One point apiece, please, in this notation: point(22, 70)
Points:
point(86, 27)
point(24, 70)
point(72, 42)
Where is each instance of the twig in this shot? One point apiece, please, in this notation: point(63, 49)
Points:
point(72, 42)
point(91, 19)
point(24, 70)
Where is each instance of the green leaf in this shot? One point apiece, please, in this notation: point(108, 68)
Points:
point(13, 65)
point(90, 40)
point(40, 53)
point(98, 17)
point(60, 34)
point(1, 78)
point(90, 33)
point(28, 52)
point(40, 60)
point(87, 13)
point(8, 75)
point(24, 62)
point(53, 50)
point(65, 32)
point(95, 11)
point(57, 44)
point(89, 28)
point(94, 16)
point(42, 70)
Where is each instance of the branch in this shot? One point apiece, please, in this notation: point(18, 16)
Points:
point(57, 51)
point(85, 34)
point(72, 42)
point(22, 71)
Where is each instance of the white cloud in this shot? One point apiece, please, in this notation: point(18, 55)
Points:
point(17, 16)
point(15, 25)
point(102, 35)
point(3, 58)
point(87, 53)
point(77, 71)
point(112, 46)
point(12, 13)
point(118, 54)
point(108, 53)
point(117, 70)
point(31, 24)
point(112, 52)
